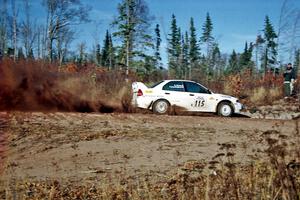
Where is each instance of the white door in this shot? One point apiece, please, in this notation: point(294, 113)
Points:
point(174, 92)
point(200, 98)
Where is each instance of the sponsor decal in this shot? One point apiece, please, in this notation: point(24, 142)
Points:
point(199, 102)
point(176, 86)
point(148, 91)
point(226, 97)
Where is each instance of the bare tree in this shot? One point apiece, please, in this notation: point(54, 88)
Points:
point(289, 29)
point(82, 54)
point(39, 43)
point(64, 38)
point(61, 16)
point(96, 47)
point(259, 50)
point(42, 41)
point(3, 26)
point(14, 28)
point(28, 30)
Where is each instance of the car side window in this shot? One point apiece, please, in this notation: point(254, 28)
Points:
point(174, 86)
point(195, 88)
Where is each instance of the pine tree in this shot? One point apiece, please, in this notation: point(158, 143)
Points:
point(174, 48)
point(250, 52)
point(233, 66)
point(108, 53)
point(269, 56)
point(105, 50)
point(193, 47)
point(208, 40)
point(149, 63)
point(216, 58)
point(207, 32)
point(179, 45)
point(132, 25)
point(112, 56)
point(183, 57)
point(245, 58)
point(174, 39)
point(157, 46)
point(179, 60)
point(186, 55)
point(98, 54)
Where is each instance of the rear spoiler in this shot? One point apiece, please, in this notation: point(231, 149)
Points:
point(138, 85)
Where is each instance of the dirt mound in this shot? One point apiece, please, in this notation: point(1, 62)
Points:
point(32, 86)
point(284, 109)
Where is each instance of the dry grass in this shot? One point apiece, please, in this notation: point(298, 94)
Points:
point(274, 177)
point(261, 95)
point(255, 90)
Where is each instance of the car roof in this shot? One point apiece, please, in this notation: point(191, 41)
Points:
point(179, 80)
point(183, 80)
point(169, 80)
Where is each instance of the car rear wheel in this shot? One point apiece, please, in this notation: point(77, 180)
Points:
point(161, 107)
point(225, 109)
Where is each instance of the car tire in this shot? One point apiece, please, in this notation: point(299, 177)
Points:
point(161, 107)
point(225, 109)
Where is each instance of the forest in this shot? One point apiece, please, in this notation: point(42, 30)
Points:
point(134, 42)
point(132, 50)
point(68, 129)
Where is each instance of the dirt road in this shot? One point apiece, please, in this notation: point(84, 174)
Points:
point(92, 147)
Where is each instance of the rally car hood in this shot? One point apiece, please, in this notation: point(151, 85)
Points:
point(225, 97)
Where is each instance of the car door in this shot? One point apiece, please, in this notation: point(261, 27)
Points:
point(200, 98)
point(174, 92)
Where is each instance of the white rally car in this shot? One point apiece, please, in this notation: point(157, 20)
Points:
point(188, 95)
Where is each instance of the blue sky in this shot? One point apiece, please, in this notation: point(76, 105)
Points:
point(234, 21)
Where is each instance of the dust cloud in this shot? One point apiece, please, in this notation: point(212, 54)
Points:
point(34, 86)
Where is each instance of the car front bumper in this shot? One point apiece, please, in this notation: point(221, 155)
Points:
point(238, 107)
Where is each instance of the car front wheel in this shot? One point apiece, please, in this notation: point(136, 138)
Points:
point(225, 109)
point(161, 107)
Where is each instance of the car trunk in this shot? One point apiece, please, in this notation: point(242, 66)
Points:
point(138, 89)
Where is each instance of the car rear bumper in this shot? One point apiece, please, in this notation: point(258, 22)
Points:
point(141, 102)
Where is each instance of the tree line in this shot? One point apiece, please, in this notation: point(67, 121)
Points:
point(134, 42)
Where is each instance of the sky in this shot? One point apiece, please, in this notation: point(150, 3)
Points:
point(234, 21)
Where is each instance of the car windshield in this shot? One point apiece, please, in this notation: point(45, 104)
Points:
point(156, 84)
